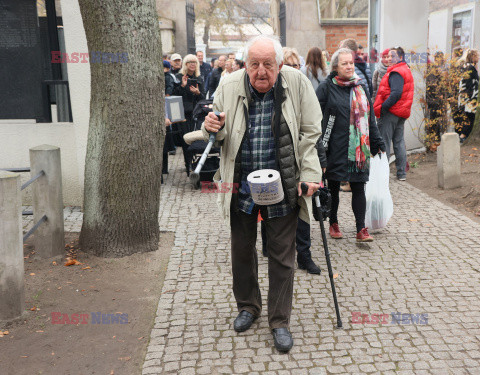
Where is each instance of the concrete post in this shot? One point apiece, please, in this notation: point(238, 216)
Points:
point(448, 162)
point(12, 299)
point(47, 196)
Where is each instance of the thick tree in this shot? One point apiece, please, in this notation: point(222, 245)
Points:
point(474, 136)
point(125, 139)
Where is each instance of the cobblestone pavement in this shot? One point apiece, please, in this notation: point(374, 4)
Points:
point(425, 262)
point(72, 215)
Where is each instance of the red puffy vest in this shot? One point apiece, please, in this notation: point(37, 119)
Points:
point(403, 107)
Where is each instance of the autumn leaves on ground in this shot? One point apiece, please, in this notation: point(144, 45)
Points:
point(466, 199)
point(79, 312)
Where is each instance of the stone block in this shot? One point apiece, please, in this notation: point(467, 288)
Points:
point(448, 162)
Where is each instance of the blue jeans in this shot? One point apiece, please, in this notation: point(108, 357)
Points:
point(392, 129)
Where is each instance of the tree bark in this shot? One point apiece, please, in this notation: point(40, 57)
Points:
point(127, 126)
point(475, 134)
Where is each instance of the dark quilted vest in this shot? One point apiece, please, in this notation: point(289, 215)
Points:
point(284, 149)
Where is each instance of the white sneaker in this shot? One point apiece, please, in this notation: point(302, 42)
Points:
point(401, 178)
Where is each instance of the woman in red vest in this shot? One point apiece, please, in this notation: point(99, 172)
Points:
point(393, 105)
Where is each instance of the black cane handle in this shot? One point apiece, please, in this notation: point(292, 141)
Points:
point(304, 188)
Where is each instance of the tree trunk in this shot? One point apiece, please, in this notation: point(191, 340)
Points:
point(475, 134)
point(127, 127)
point(206, 36)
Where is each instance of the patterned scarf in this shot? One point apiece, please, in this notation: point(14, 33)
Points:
point(359, 140)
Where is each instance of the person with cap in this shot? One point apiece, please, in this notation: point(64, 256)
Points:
point(380, 71)
point(176, 61)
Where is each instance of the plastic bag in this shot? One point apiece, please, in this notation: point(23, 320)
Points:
point(377, 192)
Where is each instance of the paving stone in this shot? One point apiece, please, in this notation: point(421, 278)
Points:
point(419, 264)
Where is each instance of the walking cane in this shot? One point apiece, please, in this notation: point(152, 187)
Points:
point(195, 175)
point(317, 206)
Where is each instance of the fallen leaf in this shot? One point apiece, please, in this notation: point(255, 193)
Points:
point(33, 308)
point(6, 332)
point(72, 262)
point(24, 356)
point(86, 268)
point(111, 372)
point(54, 263)
point(413, 219)
point(39, 331)
point(125, 358)
point(141, 337)
point(32, 274)
point(474, 148)
point(335, 275)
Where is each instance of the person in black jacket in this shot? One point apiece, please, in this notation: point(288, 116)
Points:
point(169, 145)
point(350, 137)
point(191, 90)
point(468, 93)
point(214, 79)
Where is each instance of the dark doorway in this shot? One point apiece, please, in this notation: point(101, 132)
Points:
point(190, 13)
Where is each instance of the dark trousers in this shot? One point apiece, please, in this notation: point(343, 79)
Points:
point(302, 239)
point(392, 129)
point(280, 232)
point(359, 202)
point(467, 124)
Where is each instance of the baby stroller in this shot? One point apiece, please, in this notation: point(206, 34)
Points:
point(197, 147)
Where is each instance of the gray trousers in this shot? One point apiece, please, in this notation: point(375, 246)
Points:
point(392, 129)
point(281, 232)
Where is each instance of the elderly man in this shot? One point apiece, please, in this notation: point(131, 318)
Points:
point(176, 61)
point(269, 119)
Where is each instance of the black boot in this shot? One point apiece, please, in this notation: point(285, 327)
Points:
point(305, 262)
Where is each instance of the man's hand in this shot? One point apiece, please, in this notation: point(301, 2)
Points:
point(312, 188)
point(212, 124)
point(167, 122)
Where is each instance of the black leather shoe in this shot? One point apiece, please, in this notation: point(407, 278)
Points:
point(243, 321)
point(309, 265)
point(283, 339)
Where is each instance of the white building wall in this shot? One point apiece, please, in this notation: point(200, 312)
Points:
point(405, 23)
point(18, 136)
point(440, 31)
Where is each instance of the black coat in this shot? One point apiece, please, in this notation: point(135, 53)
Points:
point(190, 100)
point(214, 80)
point(335, 100)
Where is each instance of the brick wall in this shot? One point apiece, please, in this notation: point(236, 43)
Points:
point(335, 33)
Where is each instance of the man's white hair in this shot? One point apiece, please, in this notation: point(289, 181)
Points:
point(335, 57)
point(276, 46)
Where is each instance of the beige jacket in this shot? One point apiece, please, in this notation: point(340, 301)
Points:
point(303, 115)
